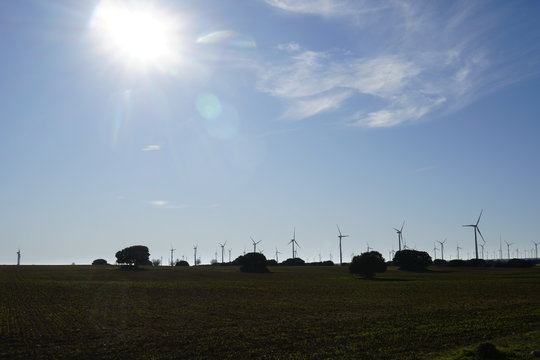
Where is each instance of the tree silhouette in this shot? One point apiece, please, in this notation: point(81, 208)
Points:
point(253, 262)
point(412, 260)
point(368, 264)
point(100, 262)
point(134, 255)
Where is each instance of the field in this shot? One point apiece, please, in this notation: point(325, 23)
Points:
point(85, 312)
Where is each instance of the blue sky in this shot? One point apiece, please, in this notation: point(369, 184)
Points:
point(237, 119)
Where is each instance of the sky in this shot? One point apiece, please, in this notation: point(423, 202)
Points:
point(172, 124)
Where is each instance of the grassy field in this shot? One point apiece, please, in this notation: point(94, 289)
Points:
point(84, 312)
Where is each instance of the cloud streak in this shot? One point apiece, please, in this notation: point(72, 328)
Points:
point(429, 61)
point(151, 148)
point(163, 204)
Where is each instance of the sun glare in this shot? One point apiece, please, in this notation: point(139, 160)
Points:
point(137, 34)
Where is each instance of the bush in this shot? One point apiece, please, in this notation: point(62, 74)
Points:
point(368, 264)
point(100, 262)
point(440, 262)
point(476, 262)
point(134, 255)
point(517, 263)
point(271, 262)
point(321, 263)
point(253, 263)
point(457, 262)
point(412, 260)
point(293, 262)
point(181, 263)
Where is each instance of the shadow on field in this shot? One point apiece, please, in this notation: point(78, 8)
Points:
point(131, 268)
point(381, 279)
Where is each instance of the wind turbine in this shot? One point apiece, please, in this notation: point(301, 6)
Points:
point(254, 244)
point(536, 249)
point(293, 242)
point(442, 247)
point(400, 237)
point(230, 255)
point(195, 254)
point(435, 251)
point(476, 230)
point(508, 248)
point(340, 236)
point(19, 257)
point(222, 250)
point(277, 252)
point(172, 257)
point(458, 248)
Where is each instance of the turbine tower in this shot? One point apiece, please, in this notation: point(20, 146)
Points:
point(435, 251)
point(458, 248)
point(19, 257)
point(508, 248)
point(277, 252)
point(222, 250)
point(442, 247)
point(195, 254)
point(230, 255)
point(399, 236)
point(476, 230)
point(254, 244)
point(172, 257)
point(293, 242)
point(340, 236)
point(536, 249)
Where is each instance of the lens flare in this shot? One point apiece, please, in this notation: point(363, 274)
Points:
point(228, 38)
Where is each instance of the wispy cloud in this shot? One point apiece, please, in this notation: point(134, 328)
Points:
point(326, 8)
point(164, 204)
point(151, 148)
point(428, 60)
point(291, 46)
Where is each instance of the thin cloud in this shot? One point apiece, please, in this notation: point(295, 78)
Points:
point(151, 148)
point(291, 46)
point(164, 204)
point(431, 60)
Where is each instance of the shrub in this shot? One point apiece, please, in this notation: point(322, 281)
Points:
point(368, 264)
point(293, 262)
point(134, 255)
point(476, 262)
point(518, 263)
point(440, 262)
point(253, 262)
point(271, 262)
point(457, 262)
point(181, 263)
point(100, 262)
point(412, 260)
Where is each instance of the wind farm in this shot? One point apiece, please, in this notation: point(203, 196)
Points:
point(156, 154)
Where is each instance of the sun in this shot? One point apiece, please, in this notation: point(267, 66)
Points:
point(136, 33)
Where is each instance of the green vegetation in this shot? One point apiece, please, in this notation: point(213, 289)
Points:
point(90, 312)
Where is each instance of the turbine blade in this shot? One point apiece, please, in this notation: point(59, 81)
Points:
point(397, 230)
point(482, 236)
point(402, 225)
point(338, 229)
point(477, 221)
